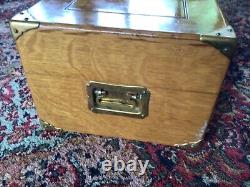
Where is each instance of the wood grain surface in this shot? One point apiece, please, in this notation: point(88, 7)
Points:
point(183, 76)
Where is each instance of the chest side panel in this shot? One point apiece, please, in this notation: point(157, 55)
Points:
point(183, 77)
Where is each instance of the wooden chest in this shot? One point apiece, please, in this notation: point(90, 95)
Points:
point(147, 70)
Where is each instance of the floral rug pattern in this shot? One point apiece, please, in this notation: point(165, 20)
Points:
point(33, 156)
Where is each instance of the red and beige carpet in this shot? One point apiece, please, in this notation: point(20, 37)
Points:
point(32, 156)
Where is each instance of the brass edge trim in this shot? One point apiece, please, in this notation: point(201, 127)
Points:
point(18, 28)
point(185, 7)
point(190, 144)
point(199, 136)
point(223, 39)
point(47, 126)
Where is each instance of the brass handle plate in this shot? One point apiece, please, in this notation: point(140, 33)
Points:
point(131, 101)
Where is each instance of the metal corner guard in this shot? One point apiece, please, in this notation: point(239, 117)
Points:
point(223, 39)
point(18, 28)
point(47, 126)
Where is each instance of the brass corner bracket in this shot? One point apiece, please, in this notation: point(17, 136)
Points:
point(23, 22)
point(199, 138)
point(18, 28)
point(223, 39)
point(49, 127)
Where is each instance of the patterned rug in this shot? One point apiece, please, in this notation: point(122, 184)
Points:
point(32, 156)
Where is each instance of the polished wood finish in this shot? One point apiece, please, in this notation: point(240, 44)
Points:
point(173, 8)
point(119, 42)
point(183, 77)
point(181, 16)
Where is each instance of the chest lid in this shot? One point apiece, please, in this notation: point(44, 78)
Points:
point(199, 19)
point(179, 16)
point(157, 8)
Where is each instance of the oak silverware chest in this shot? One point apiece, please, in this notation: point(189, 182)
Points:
point(147, 70)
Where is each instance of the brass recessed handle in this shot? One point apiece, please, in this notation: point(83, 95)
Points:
point(116, 102)
point(129, 101)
